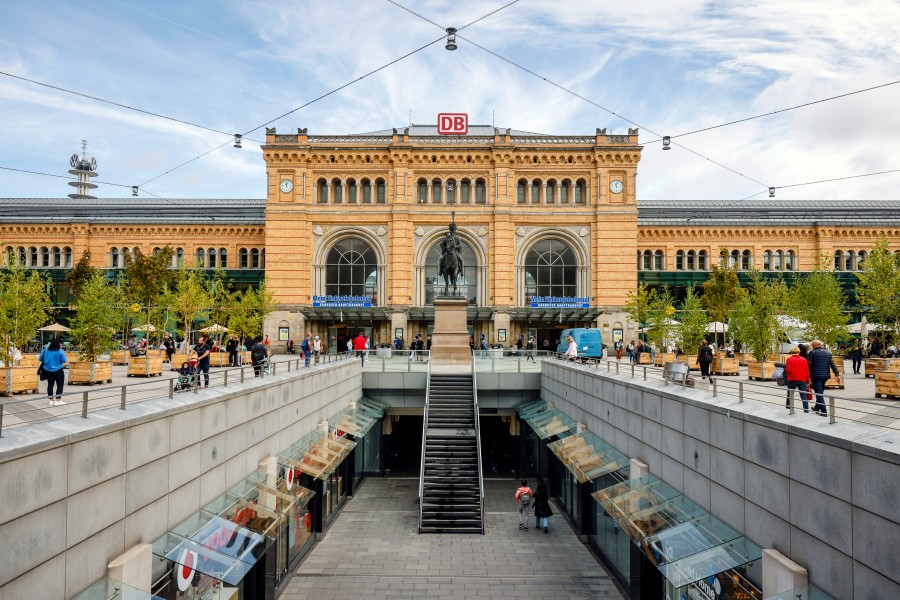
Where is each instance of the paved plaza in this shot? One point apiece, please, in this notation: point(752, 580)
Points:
point(372, 551)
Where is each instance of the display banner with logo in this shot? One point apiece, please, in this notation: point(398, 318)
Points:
point(560, 302)
point(342, 301)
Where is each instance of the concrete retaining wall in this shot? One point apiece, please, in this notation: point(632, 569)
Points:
point(495, 390)
point(827, 496)
point(75, 493)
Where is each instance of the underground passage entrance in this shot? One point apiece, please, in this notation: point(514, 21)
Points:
point(403, 447)
point(499, 448)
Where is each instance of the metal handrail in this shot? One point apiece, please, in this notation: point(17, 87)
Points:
point(81, 400)
point(478, 442)
point(424, 435)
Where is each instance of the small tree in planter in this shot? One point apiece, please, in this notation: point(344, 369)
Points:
point(248, 312)
point(638, 306)
point(661, 326)
point(24, 307)
point(692, 327)
point(721, 292)
point(190, 297)
point(879, 287)
point(754, 320)
point(818, 300)
point(93, 329)
point(148, 277)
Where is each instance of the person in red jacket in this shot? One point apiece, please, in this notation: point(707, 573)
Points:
point(359, 346)
point(797, 371)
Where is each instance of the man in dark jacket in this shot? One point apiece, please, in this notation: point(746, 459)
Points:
point(821, 365)
point(704, 358)
point(232, 348)
point(258, 355)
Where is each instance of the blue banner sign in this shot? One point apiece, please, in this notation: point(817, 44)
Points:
point(559, 302)
point(342, 301)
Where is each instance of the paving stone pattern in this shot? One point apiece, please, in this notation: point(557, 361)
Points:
point(372, 551)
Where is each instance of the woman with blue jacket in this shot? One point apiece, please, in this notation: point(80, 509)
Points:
point(53, 359)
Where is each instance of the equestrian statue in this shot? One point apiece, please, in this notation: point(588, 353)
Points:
point(451, 265)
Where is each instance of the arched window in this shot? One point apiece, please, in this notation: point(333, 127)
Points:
point(838, 260)
point(659, 261)
point(639, 265)
point(550, 194)
point(201, 258)
point(380, 191)
point(23, 256)
point(465, 191)
point(734, 259)
point(351, 191)
point(323, 191)
point(213, 255)
point(351, 269)
point(179, 257)
point(366, 191)
point(647, 262)
point(703, 261)
point(848, 260)
point(767, 260)
point(564, 192)
point(480, 191)
point(223, 258)
point(45, 257)
point(57, 257)
point(746, 260)
point(451, 191)
point(580, 191)
point(338, 191)
point(778, 262)
point(244, 258)
point(861, 260)
point(437, 189)
point(423, 191)
point(551, 269)
point(536, 191)
point(262, 258)
point(520, 191)
point(789, 260)
point(254, 258)
point(469, 277)
point(679, 260)
point(114, 257)
point(691, 260)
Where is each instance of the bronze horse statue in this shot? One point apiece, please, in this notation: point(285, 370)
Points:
point(451, 263)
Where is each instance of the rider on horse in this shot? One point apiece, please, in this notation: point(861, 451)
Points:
point(451, 265)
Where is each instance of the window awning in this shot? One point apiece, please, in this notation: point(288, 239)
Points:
point(588, 456)
point(545, 420)
point(359, 419)
point(317, 454)
point(684, 541)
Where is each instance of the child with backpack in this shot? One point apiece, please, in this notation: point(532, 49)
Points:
point(523, 498)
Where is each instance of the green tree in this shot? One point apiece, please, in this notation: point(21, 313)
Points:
point(693, 323)
point(638, 306)
point(879, 286)
point(754, 318)
point(721, 292)
point(148, 277)
point(818, 299)
point(221, 296)
point(96, 317)
point(248, 312)
point(190, 298)
point(24, 306)
point(661, 326)
point(81, 273)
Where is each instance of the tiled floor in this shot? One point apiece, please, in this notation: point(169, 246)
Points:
point(372, 551)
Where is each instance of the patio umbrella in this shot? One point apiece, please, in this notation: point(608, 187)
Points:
point(55, 328)
point(145, 328)
point(716, 327)
point(215, 328)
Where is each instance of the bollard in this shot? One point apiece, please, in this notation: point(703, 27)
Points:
point(84, 402)
point(171, 388)
point(740, 392)
point(122, 401)
point(831, 415)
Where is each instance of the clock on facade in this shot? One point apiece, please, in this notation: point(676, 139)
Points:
point(286, 185)
point(615, 186)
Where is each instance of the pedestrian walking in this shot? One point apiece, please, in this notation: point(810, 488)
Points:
point(630, 349)
point(821, 365)
point(704, 358)
point(572, 350)
point(519, 344)
point(317, 348)
point(524, 496)
point(359, 344)
point(169, 346)
point(52, 360)
point(258, 356)
point(542, 512)
point(619, 347)
point(856, 356)
point(266, 342)
point(202, 350)
point(290, 346)
point(797, 370)
point(306, 349)
point(532, 343)
point(232, 348)
point(484, 347)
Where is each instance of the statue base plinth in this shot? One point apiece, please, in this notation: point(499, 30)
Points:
point(450, 339)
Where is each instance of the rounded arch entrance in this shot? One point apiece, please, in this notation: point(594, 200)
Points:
point(426, 267)
point(551, 263)
point(349, 262)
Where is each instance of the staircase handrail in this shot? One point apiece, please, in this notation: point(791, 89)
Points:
point(478, 444)
point(424, 435)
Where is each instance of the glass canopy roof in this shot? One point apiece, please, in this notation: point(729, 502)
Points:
point(545, 420)
point(317, 454)
point(807, 592)
point(588, 456)
point(359, 419)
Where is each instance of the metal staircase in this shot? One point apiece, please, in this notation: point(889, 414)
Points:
point(451, 488)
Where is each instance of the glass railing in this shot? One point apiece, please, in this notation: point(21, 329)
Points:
point(387, 360)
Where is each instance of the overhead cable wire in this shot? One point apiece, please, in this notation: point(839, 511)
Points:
point(75, 179)
point(120, 105)
point(775, 112)
point(805, 183)
point(575, 94)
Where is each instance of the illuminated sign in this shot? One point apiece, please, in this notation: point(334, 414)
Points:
point(453, 123)
point(559, 302)
point(342, 301)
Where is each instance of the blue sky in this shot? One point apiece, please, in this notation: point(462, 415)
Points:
point(670, 65)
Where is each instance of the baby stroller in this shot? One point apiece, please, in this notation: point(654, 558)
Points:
point(187, 376)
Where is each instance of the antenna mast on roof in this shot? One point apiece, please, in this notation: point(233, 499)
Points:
point(84, 168)
point(492, 119)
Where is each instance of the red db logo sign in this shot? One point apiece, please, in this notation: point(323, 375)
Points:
point(184, 569)
point(453, 123)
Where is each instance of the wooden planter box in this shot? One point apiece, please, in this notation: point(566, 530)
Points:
point(18, 380)
point(89, 373)
point(72, 357)
point(878, 365)
point(761, 371)
point(725, 366)
point(177, 360)
point(832, 383)
point(30, 360)
point(743, 357)
point(887, 384)
point(664, 357)
point(156, 354)
point(644, 358)
point(145, 366)
point(691, 361)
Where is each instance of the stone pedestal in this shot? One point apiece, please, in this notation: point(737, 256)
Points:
point(450, 339)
